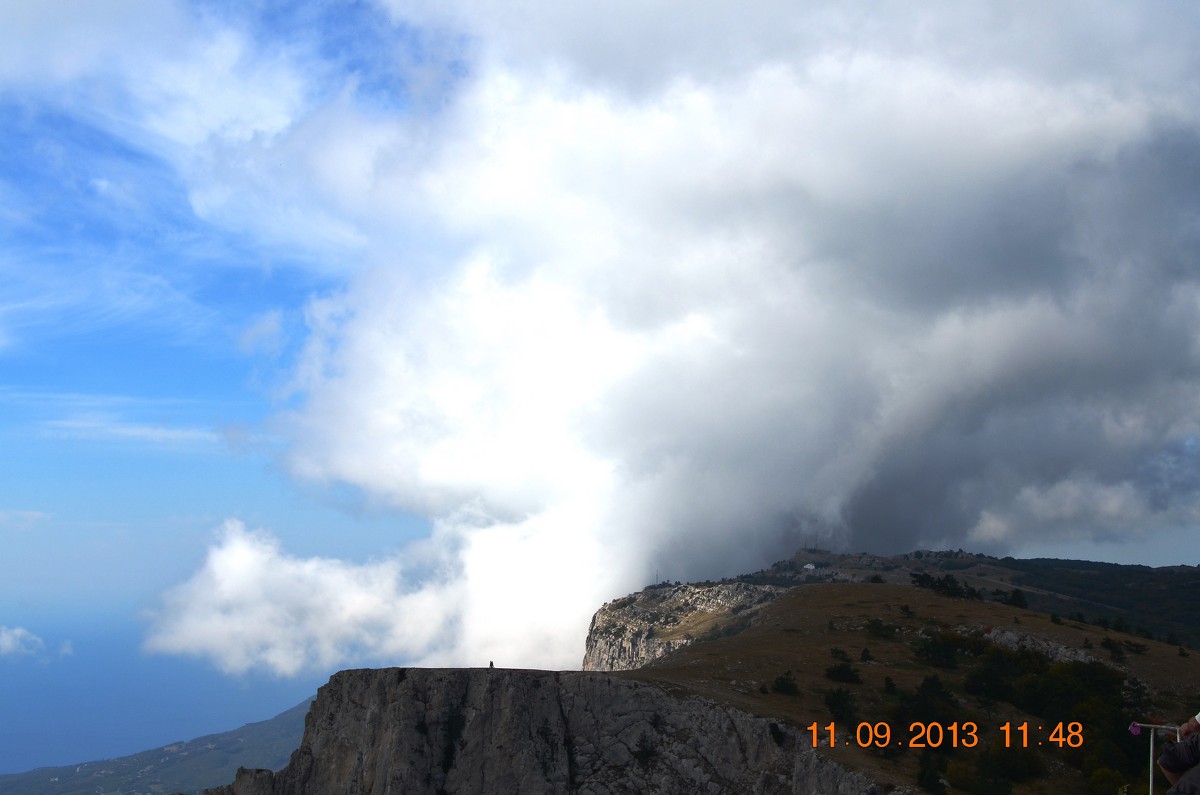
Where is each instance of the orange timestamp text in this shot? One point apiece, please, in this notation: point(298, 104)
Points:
point(964, 734)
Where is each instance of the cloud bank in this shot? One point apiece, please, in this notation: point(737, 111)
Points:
point(678, 290)
point(267, 608)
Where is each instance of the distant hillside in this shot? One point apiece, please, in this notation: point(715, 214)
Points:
point(1153, 602)
point(180, 767)
point(1156, 603)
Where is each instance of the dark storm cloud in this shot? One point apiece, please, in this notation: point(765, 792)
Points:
point(1114, 245)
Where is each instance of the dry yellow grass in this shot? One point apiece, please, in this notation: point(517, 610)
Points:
point(798, 632)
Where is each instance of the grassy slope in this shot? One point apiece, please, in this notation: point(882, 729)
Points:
point(799, 631)
point(1158, 600)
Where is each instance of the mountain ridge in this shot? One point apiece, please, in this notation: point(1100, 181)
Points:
point(187, 766)
point(732, 642)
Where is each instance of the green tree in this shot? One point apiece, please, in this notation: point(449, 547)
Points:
point(929, 772)
point(840, 703)
point(785, 683)
point(843, 672)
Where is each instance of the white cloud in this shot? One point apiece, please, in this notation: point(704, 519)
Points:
point(221, 87)
point(480, 393)
point(103, 426)
point(18, 640)
point(677, 312)
point(645, 277)
point(635, 47)
point(177, 74)
point(192, 87)
point(253, 606)
point(263, 335)
point(21, 520)
point(44, 43)
point(1081, 509)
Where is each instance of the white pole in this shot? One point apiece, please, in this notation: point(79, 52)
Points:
point(1150, 789)
point(1136, 728)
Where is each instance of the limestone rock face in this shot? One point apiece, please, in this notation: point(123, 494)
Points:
point(635, 630)
point(469, 731)
point(1016, 641)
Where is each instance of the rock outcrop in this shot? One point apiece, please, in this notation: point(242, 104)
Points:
point(469, 731)
point(1018, 641)
point(636, 630)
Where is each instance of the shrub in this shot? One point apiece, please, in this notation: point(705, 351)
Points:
point(1105, 781)
point(840, 703)
point(843, 672)
point(947, 585)
point(939, 650)
point(929, 773)
point(931, 702)
point(785, 683)
point(962, 775)
point(877, 629)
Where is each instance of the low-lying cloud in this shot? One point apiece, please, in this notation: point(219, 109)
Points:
point(476, 593)
point(252, 604)
point(874, 291)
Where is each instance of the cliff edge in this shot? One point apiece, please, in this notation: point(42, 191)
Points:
point(469, 731)
point(635, 630)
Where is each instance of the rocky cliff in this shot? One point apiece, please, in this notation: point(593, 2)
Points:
point(491, 731)
point(635, 630)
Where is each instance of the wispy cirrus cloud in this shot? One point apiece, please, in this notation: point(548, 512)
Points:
point(264, 335)
point(112, 126)
point(99, 426)
point(110, 417)
point(21, 519)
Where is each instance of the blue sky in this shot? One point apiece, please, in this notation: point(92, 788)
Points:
point(343, 333)
point(134, 395)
